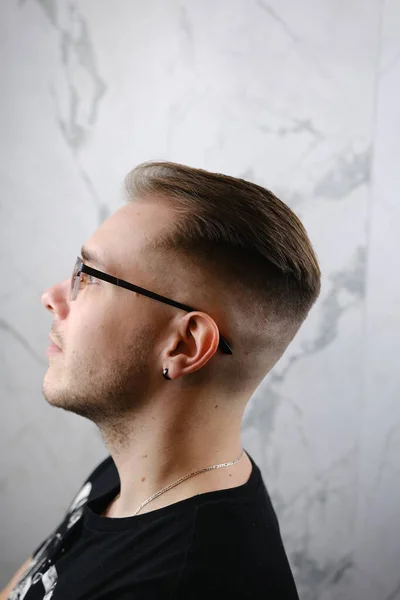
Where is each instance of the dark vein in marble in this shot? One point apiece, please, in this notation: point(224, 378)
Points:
point(50, 9)
point(76, 48)
point(79, 45)
point(75, 42)
point(317, 578)
point(268, 9)
point(351, 280)
point(312, 574)
point(299, 126)
point(348, 173)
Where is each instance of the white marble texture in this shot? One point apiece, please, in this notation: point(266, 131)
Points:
point(378, 529)
point(301, 97)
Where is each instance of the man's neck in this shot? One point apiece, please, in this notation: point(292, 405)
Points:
point(210, 481)
point(148, 464)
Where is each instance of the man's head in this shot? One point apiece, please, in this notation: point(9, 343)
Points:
point(226, 247)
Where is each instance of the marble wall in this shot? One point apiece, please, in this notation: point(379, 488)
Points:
point(300, 96)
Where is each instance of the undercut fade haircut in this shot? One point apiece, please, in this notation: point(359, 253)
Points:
point(243, 235)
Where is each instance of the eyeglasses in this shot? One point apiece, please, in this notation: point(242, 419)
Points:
point(76, 279)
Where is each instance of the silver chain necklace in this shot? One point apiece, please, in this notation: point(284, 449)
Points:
point(228, 464)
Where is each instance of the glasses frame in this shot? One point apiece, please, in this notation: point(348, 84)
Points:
point(80, 267)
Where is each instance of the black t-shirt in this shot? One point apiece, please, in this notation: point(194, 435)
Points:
point(220, 544)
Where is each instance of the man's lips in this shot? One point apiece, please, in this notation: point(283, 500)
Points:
point(53, 342)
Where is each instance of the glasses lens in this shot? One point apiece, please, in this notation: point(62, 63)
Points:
point(75, 280)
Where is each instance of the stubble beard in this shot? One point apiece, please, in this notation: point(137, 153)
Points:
point(105, 391)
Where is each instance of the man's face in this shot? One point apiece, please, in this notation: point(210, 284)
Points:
point(108, 335)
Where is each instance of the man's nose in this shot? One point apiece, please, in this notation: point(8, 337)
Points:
point(55, 299)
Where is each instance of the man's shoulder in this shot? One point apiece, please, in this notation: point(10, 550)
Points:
point(237, 546)
point(239, 523)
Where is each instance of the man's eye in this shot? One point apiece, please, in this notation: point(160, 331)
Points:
point(86, 279)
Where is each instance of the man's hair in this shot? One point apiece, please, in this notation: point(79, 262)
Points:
point(244, 237)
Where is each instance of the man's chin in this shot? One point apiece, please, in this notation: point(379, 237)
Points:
point(55, 395)
point(72, 404)
point(79, 409)
point(54, 399)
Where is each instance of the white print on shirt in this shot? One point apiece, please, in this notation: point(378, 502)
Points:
point(41, 569)
point(76, 509)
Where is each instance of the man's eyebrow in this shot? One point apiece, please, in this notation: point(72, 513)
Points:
point(91, 256)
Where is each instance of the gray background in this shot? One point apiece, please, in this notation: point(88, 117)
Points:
point(300, 96)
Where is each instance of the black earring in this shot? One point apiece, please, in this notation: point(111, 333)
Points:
point(165, 374)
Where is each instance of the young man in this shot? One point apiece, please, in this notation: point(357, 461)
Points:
point(179, 305)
